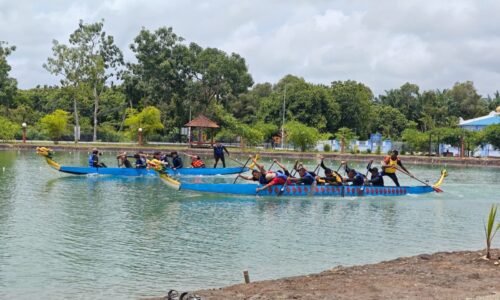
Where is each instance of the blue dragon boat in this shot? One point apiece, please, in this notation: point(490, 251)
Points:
point(303, 190)
point(45, 152)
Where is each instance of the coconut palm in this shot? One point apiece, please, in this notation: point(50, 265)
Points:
point(490, 230)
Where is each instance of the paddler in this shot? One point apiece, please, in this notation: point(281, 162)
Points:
point(196, 161)
point(176, 160)
point(94, 159)
point(353, 176)
point(331, 177)
point(219, 150)
point(390, 164)
point(306, 177)
point(141, 160)
point(123, 160)
point(376, 179)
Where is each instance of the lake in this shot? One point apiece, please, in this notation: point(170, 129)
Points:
point(64, 236)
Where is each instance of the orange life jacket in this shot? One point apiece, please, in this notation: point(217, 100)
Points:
point(197, 163)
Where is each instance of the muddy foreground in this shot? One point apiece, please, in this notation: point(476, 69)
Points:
point(443, 275)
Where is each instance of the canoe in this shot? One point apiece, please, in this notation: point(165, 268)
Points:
point(304, 190)
point(135, 172)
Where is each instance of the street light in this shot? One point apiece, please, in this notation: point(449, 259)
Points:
point(24, 132)
point(140, 136)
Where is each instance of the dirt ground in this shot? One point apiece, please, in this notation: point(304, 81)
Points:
point(443, 275)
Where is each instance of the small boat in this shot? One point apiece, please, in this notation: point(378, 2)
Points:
point(45, 152)
point(304, 190)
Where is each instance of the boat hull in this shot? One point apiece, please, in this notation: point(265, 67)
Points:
point(143, 172)
point(304, 190)
point(107, 171)
point(206, 171)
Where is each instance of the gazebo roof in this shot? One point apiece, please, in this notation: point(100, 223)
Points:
point(202, 121)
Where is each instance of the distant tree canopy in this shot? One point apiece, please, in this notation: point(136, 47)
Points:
point(171, 80)
point(8, 85)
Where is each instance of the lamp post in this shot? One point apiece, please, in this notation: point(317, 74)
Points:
point(140, 136)
point(24, 132)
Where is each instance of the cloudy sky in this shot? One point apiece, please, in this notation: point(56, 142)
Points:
point(381, 43)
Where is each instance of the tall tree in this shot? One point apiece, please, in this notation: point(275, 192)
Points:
point(8, 85)
point(307, 103)
point(406, 99)
point(466, 102)
point(92, 58)
point(355, 101)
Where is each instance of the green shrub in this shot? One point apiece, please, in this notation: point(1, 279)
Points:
point(327, 147)
point(8, 129)
point(55, 125)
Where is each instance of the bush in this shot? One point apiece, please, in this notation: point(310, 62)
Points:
point(55, 125)
point(378, 151)
point(8, 129)
point(369, 151)
point(327, 148)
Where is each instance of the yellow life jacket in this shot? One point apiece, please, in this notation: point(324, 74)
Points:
point(391, 165)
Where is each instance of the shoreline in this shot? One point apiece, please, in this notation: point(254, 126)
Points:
point(442, 275)
point(407, 159)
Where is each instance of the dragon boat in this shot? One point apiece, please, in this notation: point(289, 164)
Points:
point(303, 190)
point(48, 154)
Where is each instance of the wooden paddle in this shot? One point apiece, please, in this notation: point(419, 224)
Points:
point(438, 190)
point(366, 175)
point(237, 176)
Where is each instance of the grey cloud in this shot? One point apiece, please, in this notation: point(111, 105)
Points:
point(380, 43)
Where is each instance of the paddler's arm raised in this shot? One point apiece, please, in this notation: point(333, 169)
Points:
point(259, 166)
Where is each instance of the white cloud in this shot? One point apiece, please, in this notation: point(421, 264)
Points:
point(380, 43)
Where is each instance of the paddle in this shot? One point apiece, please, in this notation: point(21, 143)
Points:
point(368, 167)
point(237, 176)
point(438, 190)
point(271, 166)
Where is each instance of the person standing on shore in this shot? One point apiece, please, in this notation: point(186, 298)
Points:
point(219, 154)
point(390, 164)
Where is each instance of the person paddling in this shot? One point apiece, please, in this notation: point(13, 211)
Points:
point(140, 160)
point(376, 179)
point(176, 160)
point(390, 164)
point(219, 154)
point(123, 160)
point(196, 161)
point(306, 177)
point(94, 159)
point(353, 176)
point(331, 177)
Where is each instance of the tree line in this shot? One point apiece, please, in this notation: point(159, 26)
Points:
point(170, 80)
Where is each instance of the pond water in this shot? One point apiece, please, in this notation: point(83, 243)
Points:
point(64, 236)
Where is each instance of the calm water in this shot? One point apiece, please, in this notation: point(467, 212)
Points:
point(65, 236)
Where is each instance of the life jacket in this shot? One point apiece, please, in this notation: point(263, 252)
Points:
point(307, 178)
point(140, 162)
point(280, 175)
point(359, 179)
point(197, 163)
point(91, 160)
point(177, 161)
point(262, 179)
point(219, 150)
point(391, 164)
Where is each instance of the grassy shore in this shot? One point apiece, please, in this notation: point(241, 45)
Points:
point(269, 153)
point(443, 275)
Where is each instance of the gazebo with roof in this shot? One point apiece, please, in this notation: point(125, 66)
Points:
point(201, 122)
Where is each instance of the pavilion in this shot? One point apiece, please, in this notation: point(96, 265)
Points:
point(201, 123)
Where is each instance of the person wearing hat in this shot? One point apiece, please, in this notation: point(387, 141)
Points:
point(94, 159)
point(376, 179)
point(390, 165)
